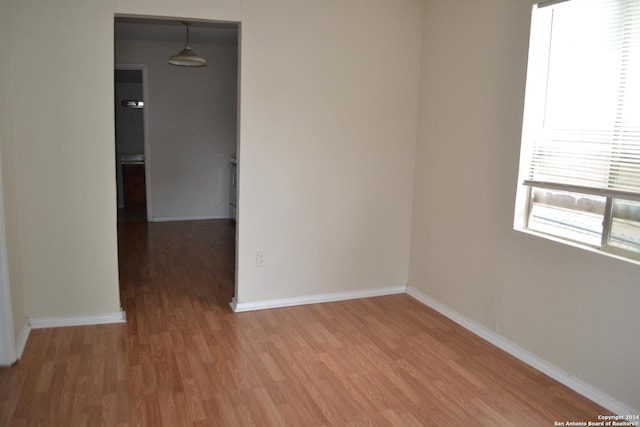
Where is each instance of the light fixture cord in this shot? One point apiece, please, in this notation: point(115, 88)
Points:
point(188, 43)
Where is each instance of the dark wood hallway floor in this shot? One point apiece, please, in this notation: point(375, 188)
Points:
point(184, 359)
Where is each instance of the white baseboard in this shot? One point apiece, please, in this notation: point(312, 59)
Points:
point(239, 307)
point(525, 356)
point(60, 321)
point(188, 218)
point(21, 340)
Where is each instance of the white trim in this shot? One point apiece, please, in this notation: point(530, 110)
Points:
point(147, 142)
point(7, 338)
point(59, 321)
point(236, 214)
point(239, 307)
point(525, 356)
point(21, 341)
point(189, 218)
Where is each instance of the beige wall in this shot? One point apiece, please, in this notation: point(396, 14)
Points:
point(575, 309)
point(62, 63)
point(328, 128)
point(9, 183)
point(328, 131)
point(218, 10)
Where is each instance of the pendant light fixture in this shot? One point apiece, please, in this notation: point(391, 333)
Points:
point(187, 57)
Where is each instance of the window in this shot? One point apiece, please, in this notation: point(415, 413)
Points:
point(580, 155)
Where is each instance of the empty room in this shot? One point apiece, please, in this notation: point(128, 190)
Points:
point(438, 215)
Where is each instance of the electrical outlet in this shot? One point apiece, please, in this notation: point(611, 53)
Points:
point(261, 259)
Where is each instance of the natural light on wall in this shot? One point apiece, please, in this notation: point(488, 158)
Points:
point(580, 156)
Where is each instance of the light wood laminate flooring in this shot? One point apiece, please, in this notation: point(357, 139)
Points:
point(184, 359)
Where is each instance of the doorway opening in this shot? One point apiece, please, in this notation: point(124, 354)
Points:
point(130, 127)
point(176, 159)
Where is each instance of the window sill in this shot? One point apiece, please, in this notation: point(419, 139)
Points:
point(577, 245)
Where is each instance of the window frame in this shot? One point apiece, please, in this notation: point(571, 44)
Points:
point(607, 220)
point(526, 186)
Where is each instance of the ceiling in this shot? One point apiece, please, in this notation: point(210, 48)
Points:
point(174, 31)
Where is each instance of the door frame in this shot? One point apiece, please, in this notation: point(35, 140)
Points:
point(145, 124)
point(8, 351)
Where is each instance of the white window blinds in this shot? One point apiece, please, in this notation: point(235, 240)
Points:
point(581, 127)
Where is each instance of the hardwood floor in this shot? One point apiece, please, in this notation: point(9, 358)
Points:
point(184, 359)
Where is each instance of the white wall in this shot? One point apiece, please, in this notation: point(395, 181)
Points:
point(575, 309)
point(192, 126)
